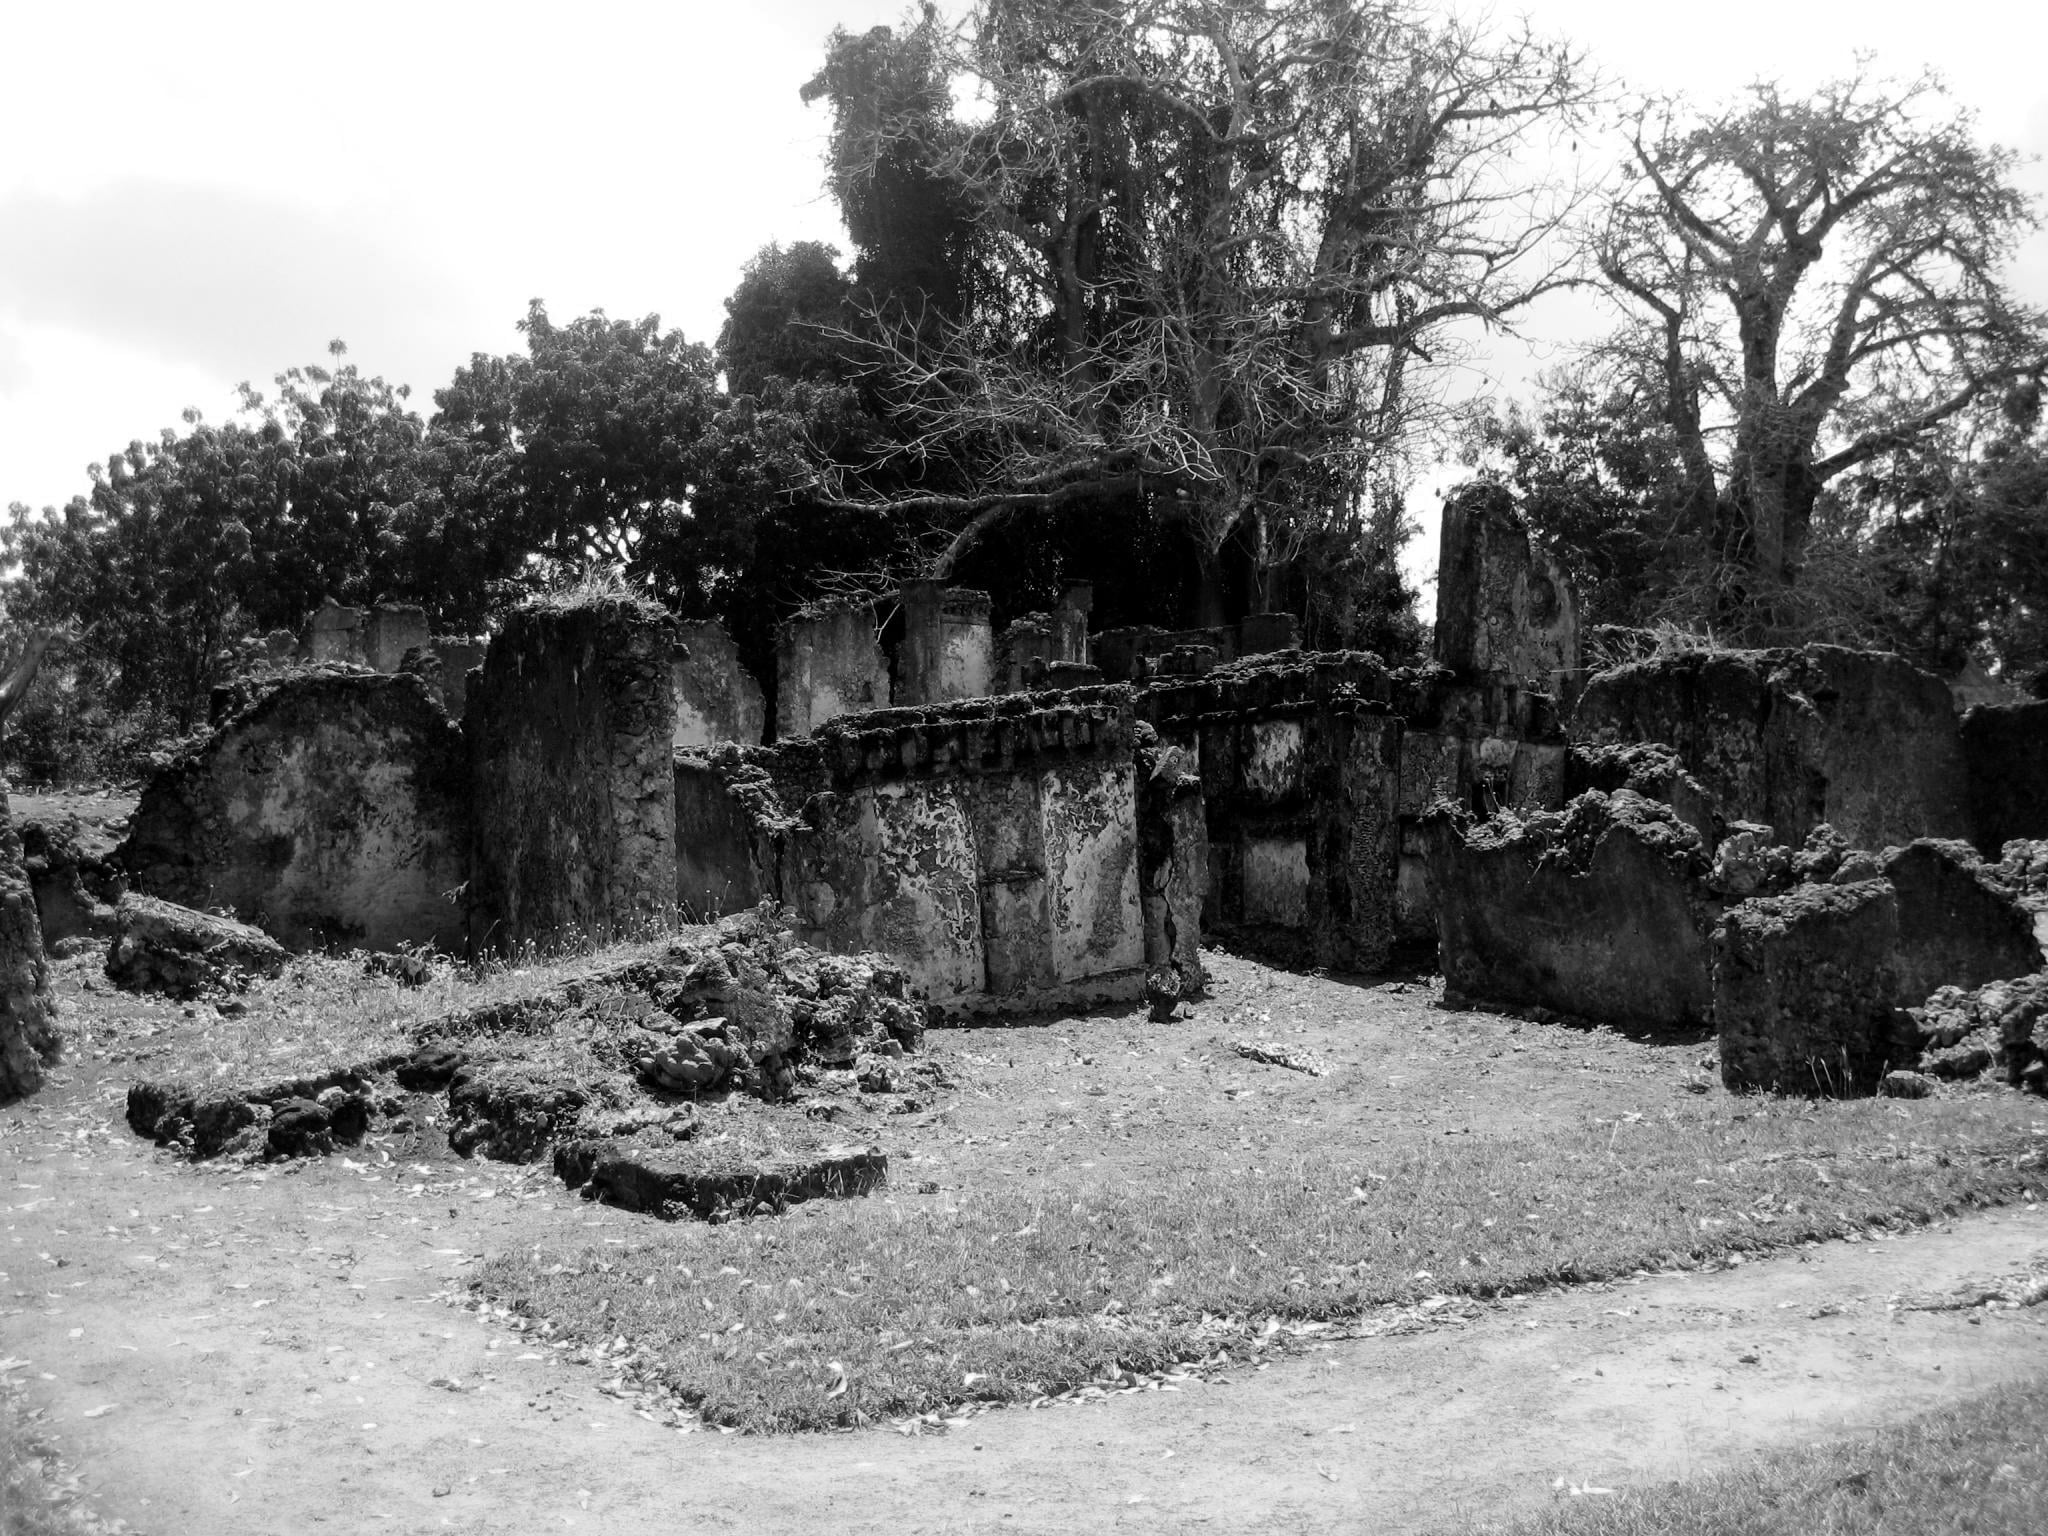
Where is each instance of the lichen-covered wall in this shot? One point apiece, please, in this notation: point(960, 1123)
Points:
point(828, 663)
point(1300, 770)
point(1504, 608)
point(327, 808)
point(1861, 740)
point(990, 846)
point(570, 727)
point(717, 699)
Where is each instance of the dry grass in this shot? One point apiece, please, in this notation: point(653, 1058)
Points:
point(1980, 1467)
point(877, 1309)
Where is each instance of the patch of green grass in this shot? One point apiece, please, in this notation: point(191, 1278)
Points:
point(1031, 1289)
point(1980, 1467)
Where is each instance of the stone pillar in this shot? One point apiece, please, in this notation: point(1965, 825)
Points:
point(828, 663)
point(571, 725)
point(1504, 607)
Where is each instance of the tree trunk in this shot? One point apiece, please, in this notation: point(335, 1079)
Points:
point(1210, 608)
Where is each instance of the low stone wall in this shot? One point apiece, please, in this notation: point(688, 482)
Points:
point(1861, 740)
point(2005, 753)
point(571, 725)
point(992, 847)
point(328, 807)
point(1600, 912)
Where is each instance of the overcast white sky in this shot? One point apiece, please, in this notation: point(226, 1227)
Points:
point(199, 193)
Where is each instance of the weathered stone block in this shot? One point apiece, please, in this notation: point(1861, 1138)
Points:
point(71, 866)
point(1600, 912)
point(570, 726)
point(1805, 992)
point(828, 663)
point(330, 808)
point(2005, 753)
point(29, 1039)
point(1957, 925)
point(717, 699)
point(335, 633)
point(160, 946)
point(1504, 606)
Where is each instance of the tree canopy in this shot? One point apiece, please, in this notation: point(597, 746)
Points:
point(1810, 283)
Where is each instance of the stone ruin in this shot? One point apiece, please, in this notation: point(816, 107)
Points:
point(1776, 846)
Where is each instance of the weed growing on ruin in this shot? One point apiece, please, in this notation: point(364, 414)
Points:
point(1980, 1467)
point(854, 1313)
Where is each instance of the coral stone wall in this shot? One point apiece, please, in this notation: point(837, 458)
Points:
point(1504, 607)
point(1299, 761)
point(948, 649)
point(328, 808)
point(828, 663)
point(717, 699)
point(571, 724)
point(991, 846)
point(1861, 740)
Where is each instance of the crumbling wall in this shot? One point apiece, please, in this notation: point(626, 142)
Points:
point(28, 1014)
point(327, 807)
point(991, 846)
point(2005, 755)
point(73, 869)
point(570, 727)
point(1600, 911)
point(948, 649)
point(1137, 654)
point(1810, 984)
point(1483, 746)
point(389, 631)
point(1299, 761)
point(1504, 607)
point(1861, 740)
point(1041, 650)
point(828, 663)
point(717, 699)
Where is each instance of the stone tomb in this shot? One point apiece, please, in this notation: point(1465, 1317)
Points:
point(993, 847)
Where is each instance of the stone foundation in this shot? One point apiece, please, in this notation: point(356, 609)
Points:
point(570, 727)
point(326, 808)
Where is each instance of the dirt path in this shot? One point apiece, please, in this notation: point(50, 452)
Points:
point(231, 1351)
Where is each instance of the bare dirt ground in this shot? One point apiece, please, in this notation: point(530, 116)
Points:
point(221, 1349)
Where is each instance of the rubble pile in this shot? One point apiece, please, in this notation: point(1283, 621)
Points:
point(699, 1075)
